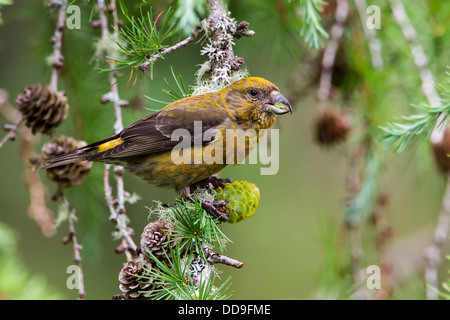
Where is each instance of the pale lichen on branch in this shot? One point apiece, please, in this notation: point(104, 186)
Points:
point(116, 205)
point(221, 30)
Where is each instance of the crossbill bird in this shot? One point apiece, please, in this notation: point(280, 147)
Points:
point(145, 147)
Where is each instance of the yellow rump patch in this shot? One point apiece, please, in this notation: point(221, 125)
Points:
point(110, 144)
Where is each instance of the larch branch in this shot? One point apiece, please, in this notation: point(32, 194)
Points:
point(164, 51)
point(58, 58)
point(330, 51)
point(116, 205)
point(433, 252)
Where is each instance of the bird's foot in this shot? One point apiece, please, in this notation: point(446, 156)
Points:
point(213, 182)
point(217, 209)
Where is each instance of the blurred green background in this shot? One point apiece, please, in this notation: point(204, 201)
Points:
point(291, 247)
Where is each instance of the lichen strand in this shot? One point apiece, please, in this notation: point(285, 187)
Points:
point(220, 30)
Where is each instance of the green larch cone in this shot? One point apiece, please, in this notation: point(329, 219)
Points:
point(242, 199)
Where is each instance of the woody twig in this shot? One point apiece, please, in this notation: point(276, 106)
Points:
point(116, 205)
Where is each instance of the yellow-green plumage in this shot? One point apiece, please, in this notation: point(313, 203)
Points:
point(145, 147)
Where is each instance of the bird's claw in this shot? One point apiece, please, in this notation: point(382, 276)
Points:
point(217, 182)
point(217, 209)
point(213, 182)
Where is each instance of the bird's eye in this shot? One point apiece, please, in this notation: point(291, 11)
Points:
point(253, 92)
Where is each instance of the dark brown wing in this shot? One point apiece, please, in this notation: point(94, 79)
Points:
point(153, 133)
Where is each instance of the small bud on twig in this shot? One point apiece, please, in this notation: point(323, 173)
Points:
point(9, 127)
point(242, 30)
point(67, 239)
point(119, 249)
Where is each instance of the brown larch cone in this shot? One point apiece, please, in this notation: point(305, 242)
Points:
point(43, 108)
point(441, 151)
point(331, 127)
point(157, 238)
point(67, 175)
point(135, 280)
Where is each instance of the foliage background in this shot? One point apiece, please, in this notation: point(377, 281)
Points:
point(291, 247)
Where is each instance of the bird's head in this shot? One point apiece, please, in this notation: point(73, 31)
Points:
point(257, 100)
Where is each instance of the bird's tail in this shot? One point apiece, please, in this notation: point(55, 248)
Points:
point(91, 152)
point(77, 156)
